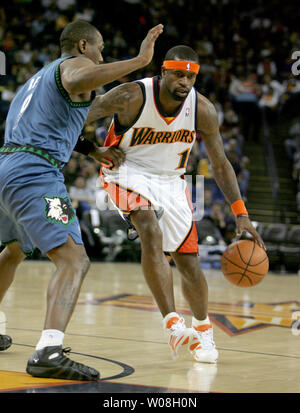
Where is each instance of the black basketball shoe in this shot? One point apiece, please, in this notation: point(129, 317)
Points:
point(5, 342)
point(51, 362)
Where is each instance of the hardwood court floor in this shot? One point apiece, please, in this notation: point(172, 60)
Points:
point(117, 329)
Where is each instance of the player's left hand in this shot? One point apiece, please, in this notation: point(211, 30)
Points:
point(243, 223)
point(108, 156)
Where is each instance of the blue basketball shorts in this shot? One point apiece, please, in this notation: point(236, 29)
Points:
point(35, 207)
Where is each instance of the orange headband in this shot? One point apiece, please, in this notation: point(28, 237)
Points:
point(181, 65)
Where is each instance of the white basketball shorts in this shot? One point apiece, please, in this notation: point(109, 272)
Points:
point(130, 189)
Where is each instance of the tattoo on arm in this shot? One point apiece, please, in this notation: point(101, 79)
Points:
point(116, 101)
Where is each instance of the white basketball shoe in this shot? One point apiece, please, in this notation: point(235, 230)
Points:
point(206, 351)
point(179, 335)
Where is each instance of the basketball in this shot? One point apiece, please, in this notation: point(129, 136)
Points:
point(244, 263)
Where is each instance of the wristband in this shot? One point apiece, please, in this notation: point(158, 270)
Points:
point(84, 146)
point(239, 209)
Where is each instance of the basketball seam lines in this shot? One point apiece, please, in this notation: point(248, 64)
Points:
point(251, 265)
point(243, 275)
point(237, 246)
point(255, 273)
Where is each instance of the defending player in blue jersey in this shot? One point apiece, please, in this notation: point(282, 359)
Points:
point(42, 128)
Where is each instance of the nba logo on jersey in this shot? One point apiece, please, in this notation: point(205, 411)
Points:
point(187, 112)
point(188, 66)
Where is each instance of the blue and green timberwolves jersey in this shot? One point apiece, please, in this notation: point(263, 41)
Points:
point(43, 115)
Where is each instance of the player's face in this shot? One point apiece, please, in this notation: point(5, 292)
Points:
point(178, 83)
point(94, 50)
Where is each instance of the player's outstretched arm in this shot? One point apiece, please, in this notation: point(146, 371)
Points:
point(124, 100)
point(81, 75)
point(221, 167)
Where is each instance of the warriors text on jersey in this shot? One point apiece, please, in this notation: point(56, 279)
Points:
point(157, 148)
point(155, 142)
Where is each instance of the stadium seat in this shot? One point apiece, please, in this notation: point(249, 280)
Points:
point(206, 228)
point(274, 235)
point(290, 250)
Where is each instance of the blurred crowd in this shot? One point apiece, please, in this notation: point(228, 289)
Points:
point(292, 146)
point(245, 53)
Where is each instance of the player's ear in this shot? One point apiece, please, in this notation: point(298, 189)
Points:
point(163, 71)
point(82, 46)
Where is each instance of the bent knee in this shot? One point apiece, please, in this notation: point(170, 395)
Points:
point(190, 270)
point(72, 255)
point(151, 238)
point(77, 259)
point(14, 253)
point(148, 227)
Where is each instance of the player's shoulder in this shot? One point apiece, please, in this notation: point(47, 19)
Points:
point(205, 107)
point(130, 90)
point(204, 103)
point(125, 100)
point(76, 62)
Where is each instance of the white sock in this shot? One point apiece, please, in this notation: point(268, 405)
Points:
point(50, 338)
point(196, 322)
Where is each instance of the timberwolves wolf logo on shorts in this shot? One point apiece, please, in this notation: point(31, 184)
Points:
point(59, 210)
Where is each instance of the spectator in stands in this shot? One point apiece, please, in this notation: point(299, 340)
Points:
point(218, 216)
point(244, 177)
point(71, 172)
point(245, 92)
point(231, 118)
point(207, 201)
point(101, 131)
point(219, 108)
point(269, 99)
point(266, 66)
point(90, 170)
point(24, 56)
point(292, 143)
point(7, 96)
point(233, 159)
point(83, 198)
point(8, 42)
point(224, 223)
point(234, 146)
point(296, 167)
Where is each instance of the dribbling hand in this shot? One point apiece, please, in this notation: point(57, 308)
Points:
point(243, 223)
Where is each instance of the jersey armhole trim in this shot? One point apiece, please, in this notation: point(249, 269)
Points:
point(119, 129)
point(65, 94)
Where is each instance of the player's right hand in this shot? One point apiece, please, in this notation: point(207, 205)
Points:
point(243, 223)
point(108, 156)
point(147, 46)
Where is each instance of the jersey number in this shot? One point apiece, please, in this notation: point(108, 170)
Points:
point(32, 85)
point(183, 159)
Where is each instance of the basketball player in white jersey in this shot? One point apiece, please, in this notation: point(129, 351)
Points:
point(155, 123)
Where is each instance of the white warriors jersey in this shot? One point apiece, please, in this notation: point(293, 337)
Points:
point(157, 143)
